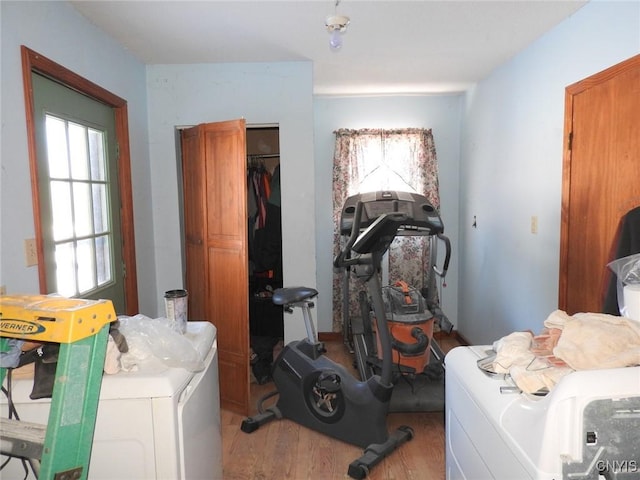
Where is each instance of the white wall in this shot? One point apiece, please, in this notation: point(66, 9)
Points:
point(511, 170)
point(441, 113)
point(274, 93)
point(57, 31)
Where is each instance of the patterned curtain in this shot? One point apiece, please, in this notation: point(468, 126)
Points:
point(370, 160)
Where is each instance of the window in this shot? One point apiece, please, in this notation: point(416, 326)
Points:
point(369, 160)
point(78, 186)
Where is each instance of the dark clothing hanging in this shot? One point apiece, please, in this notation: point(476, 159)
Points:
point(265, 318)
point(627, 240)
point(274, 197)
point(267, 235)
point(259, 190)
point(261, 181)
point(268, 242)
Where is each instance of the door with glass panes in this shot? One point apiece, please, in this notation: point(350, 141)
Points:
point(78, 188)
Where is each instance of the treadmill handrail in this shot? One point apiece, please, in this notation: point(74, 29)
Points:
point(342, 259)
point(447, 257)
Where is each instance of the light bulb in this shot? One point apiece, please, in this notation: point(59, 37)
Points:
point(335, 40)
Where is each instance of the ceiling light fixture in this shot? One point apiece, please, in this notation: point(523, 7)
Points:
point(336, 26)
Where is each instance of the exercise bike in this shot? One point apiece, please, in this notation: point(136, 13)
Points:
point(320, 394)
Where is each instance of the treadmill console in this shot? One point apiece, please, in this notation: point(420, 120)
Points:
point(421, 217)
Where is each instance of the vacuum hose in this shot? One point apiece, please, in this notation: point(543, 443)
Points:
point(412, 349)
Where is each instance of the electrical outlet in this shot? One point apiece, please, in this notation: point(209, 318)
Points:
point(534, 224)
point(30, 252)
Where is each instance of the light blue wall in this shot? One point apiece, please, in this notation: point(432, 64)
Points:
point(511, 170)
point(57, 31)
point(274, 93)
point(441, 113)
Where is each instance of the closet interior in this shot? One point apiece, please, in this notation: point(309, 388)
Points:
point(266, 326)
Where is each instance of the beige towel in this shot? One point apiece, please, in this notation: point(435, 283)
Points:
point(539, 376)
point(514, 349)
point(530, 372)
point(557, 319)
point(588, 341)
point(596, 340)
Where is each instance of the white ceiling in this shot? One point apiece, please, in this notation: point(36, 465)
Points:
point(426, 46)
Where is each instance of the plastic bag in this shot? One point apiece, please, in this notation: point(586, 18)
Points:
point(627, 270)
point(155, 338)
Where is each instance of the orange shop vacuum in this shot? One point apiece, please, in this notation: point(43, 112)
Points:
point(410, 324)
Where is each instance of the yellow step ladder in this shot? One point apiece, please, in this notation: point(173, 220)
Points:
point(81, 327)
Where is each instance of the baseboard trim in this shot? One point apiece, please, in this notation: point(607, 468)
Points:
point(463, 341)
point(330, 336)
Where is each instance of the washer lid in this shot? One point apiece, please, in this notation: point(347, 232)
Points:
point(154, 379)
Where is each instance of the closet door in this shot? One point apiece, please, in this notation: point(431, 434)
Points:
point(215, 219)
point(600, 179)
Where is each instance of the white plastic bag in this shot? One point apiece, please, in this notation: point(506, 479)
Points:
point(152, 339)
point(627, 269)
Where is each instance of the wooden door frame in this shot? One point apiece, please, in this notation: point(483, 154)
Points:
point(570, 92)
point(34, 62)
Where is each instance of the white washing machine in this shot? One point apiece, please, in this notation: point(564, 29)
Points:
point(586, 428)
point(159, 424)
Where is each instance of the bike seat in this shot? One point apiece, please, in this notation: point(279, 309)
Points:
point(288, 295)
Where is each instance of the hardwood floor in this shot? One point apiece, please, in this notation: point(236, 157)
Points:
point(283, 449)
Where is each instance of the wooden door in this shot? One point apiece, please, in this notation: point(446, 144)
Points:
point(215, 221)
point(601, 174)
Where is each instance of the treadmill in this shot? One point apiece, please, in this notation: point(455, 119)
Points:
point(413, 392)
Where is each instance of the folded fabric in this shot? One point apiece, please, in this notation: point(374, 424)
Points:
point(584, 341)
point(528, 360)
point(514, 349)
point(539, 376)
point(557, 319)
point(596, 340)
